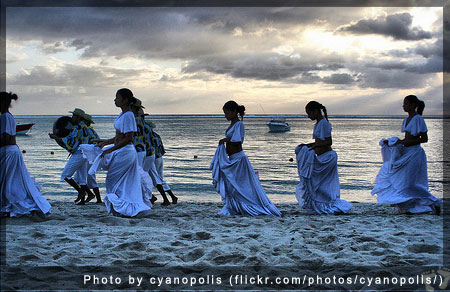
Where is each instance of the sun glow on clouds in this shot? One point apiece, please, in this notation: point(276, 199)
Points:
point(331, 42)
point(203, 58)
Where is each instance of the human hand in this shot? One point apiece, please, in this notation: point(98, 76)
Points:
point(101, 144)
point(107, 151)
point(221, 141)
point(298, 148)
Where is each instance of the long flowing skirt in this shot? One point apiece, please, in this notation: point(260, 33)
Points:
point(403, 179)
point(20, 194)
point(124, 187)
point(239, 186)
point(318, 191)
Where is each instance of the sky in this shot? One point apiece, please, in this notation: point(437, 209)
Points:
point(354, 60)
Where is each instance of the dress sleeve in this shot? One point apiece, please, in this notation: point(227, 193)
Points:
point(128, 123)
point(8, 124)
point(417, 125)
point(239, 133)
point(323, 130)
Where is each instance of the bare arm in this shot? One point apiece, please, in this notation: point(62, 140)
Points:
point(103, 143)
point(120, 141)
point(411, 140)
point(321, 143)
point(224, 140)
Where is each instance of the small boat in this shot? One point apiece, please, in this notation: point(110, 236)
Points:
point(23, 129)
point(278, 124)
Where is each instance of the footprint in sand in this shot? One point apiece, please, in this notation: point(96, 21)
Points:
point(254, 235)
point(38, 234)
point(29, 257)
point(192, 256)
point(178, 243)
point(136, 245)
point(423, 248)
point(229, 259)
point(186, 236)
point(202, 235)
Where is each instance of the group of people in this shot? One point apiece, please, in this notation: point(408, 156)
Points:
point(401, 182)
point(133, 161)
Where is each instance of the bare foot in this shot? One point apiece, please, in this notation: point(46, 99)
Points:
point(153, 199)
point(174, 199)
point(99, 202)
point(90, 197)
point(80, 196)
point(437, 210)
point(80, 203)
point(165, 203)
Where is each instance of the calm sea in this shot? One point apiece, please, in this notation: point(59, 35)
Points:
point(190, 143)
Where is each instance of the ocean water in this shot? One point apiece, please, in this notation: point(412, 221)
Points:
point(190, 143)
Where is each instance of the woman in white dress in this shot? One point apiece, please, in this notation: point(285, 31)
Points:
point(233, 175)
point(403, 179)
point(124, 194)
point(19, 193)
point(318, 191)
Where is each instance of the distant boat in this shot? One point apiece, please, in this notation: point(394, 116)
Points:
point(23, 129)
point(278, 124)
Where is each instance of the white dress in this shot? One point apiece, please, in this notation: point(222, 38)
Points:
point(19, 192)
point(124, 187)
point(236, 181)
point(318, 191)
point(403, 178)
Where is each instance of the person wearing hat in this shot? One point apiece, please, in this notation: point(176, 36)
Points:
point(138, 138)
point(79, 135)
point(157, 161)
point(91, 179)
point(150, 167)
point(124, 179)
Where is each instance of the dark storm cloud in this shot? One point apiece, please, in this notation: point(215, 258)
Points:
point(163, 33)
point(388, 65)
point(203, 38)
point(336, 78)
point(73, 75)
point(434, 64)
point(269, 66)
point(378, 78)
point(80, 44)
point(425, 50)
point(397, 26)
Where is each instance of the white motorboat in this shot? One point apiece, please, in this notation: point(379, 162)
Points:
point(278, 124)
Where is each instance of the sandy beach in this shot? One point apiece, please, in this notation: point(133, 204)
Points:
point(192, 234)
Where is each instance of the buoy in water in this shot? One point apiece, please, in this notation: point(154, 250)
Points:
point(195, 156)
point(51, 152)
point(291, 159)
point(23, 151)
